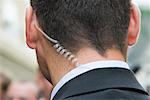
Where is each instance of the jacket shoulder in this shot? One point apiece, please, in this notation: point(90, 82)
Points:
point(111, 94)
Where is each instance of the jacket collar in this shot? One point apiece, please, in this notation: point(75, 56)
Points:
point(98, 80)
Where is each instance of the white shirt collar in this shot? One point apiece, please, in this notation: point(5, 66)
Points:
point(85, 68)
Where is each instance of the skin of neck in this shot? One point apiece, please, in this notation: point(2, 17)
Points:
point(59, 66)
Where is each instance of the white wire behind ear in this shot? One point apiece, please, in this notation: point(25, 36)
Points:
point(60, 49)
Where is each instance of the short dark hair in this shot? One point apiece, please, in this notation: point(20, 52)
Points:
point(101, 24)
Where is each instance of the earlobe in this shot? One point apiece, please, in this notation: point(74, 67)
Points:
point(134, 25)
point(31, 34)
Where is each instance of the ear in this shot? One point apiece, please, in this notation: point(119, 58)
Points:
point(134, 25)
point(31, 33)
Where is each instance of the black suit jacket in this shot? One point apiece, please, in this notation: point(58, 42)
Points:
point(103, 84)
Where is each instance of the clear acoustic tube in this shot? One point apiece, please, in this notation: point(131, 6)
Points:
point(60, 49)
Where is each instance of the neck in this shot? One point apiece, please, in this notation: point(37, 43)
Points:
point(87, 55)
point(61, 66)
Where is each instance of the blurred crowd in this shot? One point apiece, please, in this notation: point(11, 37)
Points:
point(38, 89)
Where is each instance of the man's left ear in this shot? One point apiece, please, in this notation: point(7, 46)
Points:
point(31, 32)
point(134, 25)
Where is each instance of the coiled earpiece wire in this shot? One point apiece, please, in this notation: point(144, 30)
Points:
point(60, 49)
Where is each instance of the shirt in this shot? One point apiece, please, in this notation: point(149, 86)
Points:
point(85, 68)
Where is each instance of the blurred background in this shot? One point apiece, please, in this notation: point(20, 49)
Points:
point(17, 61)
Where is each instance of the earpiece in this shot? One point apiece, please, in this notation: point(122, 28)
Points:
point(60, 49)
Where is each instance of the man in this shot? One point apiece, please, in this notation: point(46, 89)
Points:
point(22, 90)
point(81, 47)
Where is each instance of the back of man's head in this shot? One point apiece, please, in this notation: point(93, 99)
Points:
point(82, 31)
point(100, 24)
